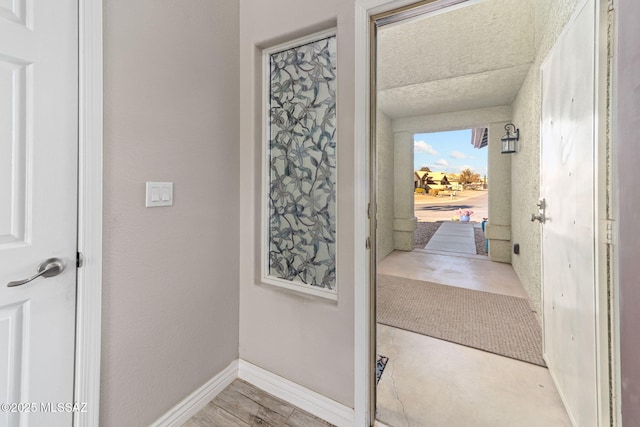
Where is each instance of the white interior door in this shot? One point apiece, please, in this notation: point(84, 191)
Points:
point(38, 208)
point(568, 234)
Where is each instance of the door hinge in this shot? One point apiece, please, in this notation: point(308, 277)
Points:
point(607, 231)
point(367, 244)
point(79, 259)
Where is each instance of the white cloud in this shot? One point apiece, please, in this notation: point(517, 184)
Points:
point(424, 147)
point(459, 155)
point(442, 162)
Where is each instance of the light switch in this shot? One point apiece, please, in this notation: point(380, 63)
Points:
point(159, 194)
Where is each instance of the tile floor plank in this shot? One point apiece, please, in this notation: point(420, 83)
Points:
point(247, 410)
point(302, 419)
point(263, 398)
point(243, 405)
point(213, 415)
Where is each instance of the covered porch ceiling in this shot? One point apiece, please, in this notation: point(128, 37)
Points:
point(473, 56)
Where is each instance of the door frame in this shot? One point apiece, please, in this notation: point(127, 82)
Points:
point(364, 391)
point(89, 277)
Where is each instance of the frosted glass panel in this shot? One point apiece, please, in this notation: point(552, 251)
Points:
point(301, 156)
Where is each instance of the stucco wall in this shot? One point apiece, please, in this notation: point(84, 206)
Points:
point(498, 230)
point(452, 121)
point(404, 221)
point(305, 339)
point(384, 186)
point(550, 18)
point(626, 163)
point(170, 285)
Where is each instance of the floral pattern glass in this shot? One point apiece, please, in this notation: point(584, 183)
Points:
point(302, 164)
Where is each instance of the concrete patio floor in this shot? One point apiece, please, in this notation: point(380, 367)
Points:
point(431, 382)
point(454, 236)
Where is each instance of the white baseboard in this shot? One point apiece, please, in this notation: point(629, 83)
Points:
point(197, 400)
point(295, 394)
point(305, 399)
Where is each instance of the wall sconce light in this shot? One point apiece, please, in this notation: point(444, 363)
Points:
point(509, 140)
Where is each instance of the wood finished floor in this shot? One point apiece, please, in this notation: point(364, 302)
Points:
point(243, 405)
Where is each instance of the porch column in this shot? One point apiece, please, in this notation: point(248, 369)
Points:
point(404, 222)
point(498, 230)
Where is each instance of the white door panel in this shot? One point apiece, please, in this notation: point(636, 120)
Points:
point(568, 234)
point(38, 206)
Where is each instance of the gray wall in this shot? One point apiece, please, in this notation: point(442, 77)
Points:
point(304, 339)
point(384, 186)
point(628, 159)
point(170, 307)
point(550, 18)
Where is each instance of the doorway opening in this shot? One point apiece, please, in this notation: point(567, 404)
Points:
point(454, 73)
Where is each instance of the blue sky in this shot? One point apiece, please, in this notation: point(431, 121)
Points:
point(448, 152)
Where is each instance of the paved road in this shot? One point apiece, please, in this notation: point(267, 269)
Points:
point(430, 209)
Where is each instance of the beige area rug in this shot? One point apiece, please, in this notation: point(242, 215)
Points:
point(499, 324)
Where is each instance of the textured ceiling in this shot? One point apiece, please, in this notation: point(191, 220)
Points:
point(472, 57)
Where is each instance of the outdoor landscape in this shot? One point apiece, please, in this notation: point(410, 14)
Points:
point(440, 197)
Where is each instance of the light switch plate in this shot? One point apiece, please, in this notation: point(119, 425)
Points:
point(159, 194)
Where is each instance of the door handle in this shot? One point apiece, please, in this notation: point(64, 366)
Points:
point(48, 268)
point(539, 218)
point(542, 205)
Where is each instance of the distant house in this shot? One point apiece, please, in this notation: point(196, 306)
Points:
point(454, 181)
point(430, 180)
point(438, 180)
point(420, 179)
